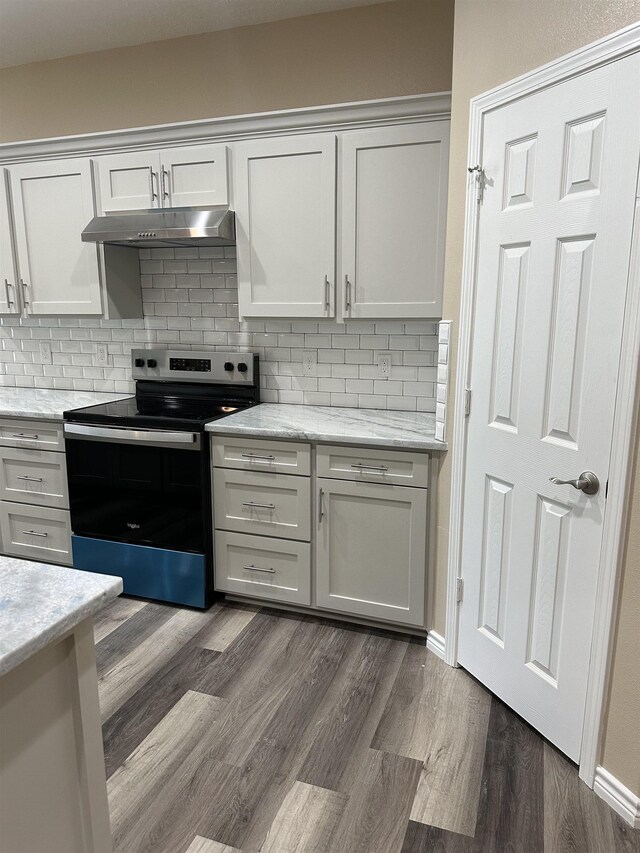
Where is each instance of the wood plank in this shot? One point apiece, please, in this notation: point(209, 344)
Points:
point(439, 715)
point(143, 711)
point(351, 712)
point(511, 809)
point(229, 622)
point(114, 615)
point(575, 819)
point(377, 813)
point(139, 787)
point(121, 681)
point(205, 845)
point(428, 839)
point(306, 820)
point(127, 636)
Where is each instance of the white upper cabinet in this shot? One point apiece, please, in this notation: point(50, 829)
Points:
point(392, 220)
point(52, 203)
point(189, 176)
point(9, 300)
point(284, 198)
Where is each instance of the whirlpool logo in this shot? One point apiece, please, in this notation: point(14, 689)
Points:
point(132, 525)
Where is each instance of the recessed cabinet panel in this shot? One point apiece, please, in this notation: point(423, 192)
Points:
point(285, 219)
point(129, 181)
point(370, 465)
point(192, 176)
point(254, 454)
point(9, 300)
point(45, 435)
point(276, 569)
point(393, 216)
point(36, 532)
point(371, 550)
point(33, 476)
point(52, 203)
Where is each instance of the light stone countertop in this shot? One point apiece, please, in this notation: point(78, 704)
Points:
point(48, 404)
point(39, 603)
point(372, 427)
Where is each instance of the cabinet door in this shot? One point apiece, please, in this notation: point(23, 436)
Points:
point(371, 550)
point(52, 203)
point(129, 181)
point(9, 299)
point(285, 195)
point(193, 176)
point(393, 218)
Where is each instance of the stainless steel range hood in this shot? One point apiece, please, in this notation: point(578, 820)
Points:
point(178, 226)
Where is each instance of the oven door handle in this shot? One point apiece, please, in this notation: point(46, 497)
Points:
point(124, 435)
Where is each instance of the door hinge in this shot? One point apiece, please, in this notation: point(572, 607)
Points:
point(459, 589)
point(481, 180)
point(467, 402)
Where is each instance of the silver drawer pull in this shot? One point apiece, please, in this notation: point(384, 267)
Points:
point(259, 506)
point(369, 467)
point(29, 479)
point(34, 533)
point(257, 456)
point(258, 569)
point(23, 435)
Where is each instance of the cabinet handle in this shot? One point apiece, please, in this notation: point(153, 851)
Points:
point(30, 479)
point(361, 466)
point(259, 506)
point(25, 292)
point(34, 533)
point(327, 294)
point(258, 569)
point(347, 294)
point(7, 285)
point(152, 175)
point(165, 183)
point(255, 456)
point(320, 506)
point(23, 435)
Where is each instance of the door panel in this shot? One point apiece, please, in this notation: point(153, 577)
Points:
point(394, 202)
point(9, 299)
point(285, 199)
point(554, 243)
point(129, 181)
point(196, 175)
point(52, 203)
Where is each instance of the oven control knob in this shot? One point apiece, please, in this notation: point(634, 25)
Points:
point(151, 362)
point(228, 365)
point(242, 367)
point(139, 362)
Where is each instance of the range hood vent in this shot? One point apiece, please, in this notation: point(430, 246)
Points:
point(178, 226)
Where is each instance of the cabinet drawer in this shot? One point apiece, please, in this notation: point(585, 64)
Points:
point(38, 533)
point(265, 504)
point(45, 435)
point(373, 466)
point(250, 454)
point(265, 568)
point(33, 477)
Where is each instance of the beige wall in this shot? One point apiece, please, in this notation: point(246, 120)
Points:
point(494, 41)
point(401, 48)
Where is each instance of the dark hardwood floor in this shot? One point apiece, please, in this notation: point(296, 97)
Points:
point(254, 730)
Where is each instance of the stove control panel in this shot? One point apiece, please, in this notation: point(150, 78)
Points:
point(237, 368)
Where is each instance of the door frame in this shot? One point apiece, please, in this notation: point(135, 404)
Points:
point(607, 50)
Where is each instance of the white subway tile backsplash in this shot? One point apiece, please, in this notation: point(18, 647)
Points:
point(190, 301)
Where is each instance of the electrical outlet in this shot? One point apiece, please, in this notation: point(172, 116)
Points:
point(45, 352)
point(102, 355)
point(384, 365)
point(309, 363)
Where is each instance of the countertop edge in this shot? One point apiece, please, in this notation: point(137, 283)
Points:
point(62, 626)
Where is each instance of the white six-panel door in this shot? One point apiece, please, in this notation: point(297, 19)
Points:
point(52, 203)
point(393, 217)
point(284, 197)
point(554, 241)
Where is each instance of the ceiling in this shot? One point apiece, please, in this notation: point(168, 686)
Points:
point(33, 30)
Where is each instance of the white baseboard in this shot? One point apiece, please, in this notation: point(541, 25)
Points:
point(621, 799)
point(436, 643)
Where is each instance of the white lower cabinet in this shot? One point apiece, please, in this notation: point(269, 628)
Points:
point(33, 476)
point(36, 532)
point(277, 569)
point(371, 550)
